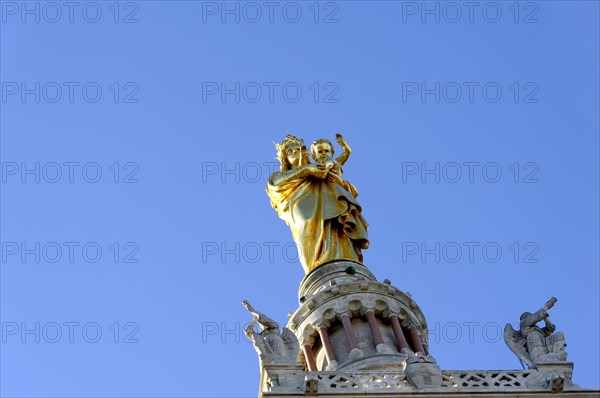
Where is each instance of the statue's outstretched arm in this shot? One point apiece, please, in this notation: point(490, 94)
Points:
point(305, 171)
point(346, 150)
point(249, 331)
point(550, 327)
point(260, 318)
point(538, 316)
point(286, 176)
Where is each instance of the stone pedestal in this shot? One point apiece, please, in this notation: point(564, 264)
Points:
point(423, 372)
point(556, 376)
point(350, 321)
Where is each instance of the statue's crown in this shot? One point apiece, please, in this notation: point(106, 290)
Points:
point(289, 139)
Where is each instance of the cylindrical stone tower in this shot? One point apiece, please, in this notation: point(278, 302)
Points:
point(347, 320)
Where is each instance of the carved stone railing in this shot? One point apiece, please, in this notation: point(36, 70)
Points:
point(281, 381)
point(356, 382)
point(369, 381)
point(485, 379)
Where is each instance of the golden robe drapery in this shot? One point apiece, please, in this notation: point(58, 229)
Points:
point(325, 220)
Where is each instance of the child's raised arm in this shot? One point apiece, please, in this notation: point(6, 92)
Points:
point(346, 149)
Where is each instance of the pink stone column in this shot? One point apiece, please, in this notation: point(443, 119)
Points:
point(310, 358)
point(377, 337)
point(400, 339)
point(416, 344)
point(349, 331)
point(327, 344)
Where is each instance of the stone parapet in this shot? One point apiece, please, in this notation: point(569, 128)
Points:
point(356, 336)
point(459, 383)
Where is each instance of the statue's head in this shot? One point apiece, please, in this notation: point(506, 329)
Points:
point(321, 149)
point(291, 152)
point(525, 315)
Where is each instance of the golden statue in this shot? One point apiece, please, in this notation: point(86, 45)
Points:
point(317, 204)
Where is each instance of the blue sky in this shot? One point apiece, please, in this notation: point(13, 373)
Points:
point(136, 140)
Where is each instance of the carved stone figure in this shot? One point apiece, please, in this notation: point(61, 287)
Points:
point(322, 152)
point(271, 346)
point(423, 371)
point(534, 345)
point(317, 204)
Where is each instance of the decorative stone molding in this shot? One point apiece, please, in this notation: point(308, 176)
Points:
point(331, 274)
point(278, 381)
point(324, 307)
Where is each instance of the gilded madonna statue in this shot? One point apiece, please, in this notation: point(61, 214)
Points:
point(318, 205)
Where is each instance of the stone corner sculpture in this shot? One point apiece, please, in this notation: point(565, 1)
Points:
point(533, 344)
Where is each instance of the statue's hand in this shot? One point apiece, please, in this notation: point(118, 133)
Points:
point(249, 307)
point(339, 138)
point(550, 303)
point(549, 323)
point(315, 171)
point(334, 178)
